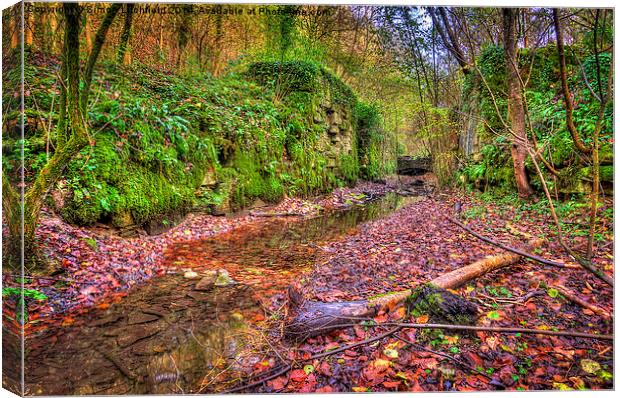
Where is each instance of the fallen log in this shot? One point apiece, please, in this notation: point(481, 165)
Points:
point(308, 318)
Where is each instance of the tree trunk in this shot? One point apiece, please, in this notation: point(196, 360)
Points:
point(311, 318)
point(53, 27)
point(29, 27)
point(516, 110)
point(568, 102)
point(94, 54)
point(12, 214)
point(88, 33)
point(14, 24)
point(123, 53)
point(448, 36)
point(217, 46)
point(69, 144)
point(33, 199)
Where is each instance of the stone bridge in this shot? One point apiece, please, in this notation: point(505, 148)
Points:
point(408, 165)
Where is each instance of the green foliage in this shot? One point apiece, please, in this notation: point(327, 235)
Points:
point(156, 136)
point(371, 142)
point(546, 116)
point(28, 293)
point(21, 295)
point(285, 78)
point(292, 75)
point(281, 30)
point(493, 67)
point(492, 166)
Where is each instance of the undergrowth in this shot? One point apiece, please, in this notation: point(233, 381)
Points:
point(162, 143)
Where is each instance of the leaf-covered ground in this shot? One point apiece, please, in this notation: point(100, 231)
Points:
point(94, 264)
point(416, 244)
point(409, 247)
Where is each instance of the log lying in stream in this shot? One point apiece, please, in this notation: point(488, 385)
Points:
point(310, 318)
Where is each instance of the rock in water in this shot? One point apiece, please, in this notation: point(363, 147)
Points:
point(223, 279)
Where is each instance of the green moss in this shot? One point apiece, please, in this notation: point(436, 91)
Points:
point(606, 154)
point(440, 305)
point(290, 75)
point(606, 173)
point(374, 161)
point(349, 168)
point(156, 136)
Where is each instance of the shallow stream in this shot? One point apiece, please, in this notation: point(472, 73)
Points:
point(168, 337)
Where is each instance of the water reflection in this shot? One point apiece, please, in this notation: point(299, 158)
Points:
point(168, 337)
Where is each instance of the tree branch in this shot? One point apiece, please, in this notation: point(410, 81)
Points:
point(92, 59)
point(570, 124)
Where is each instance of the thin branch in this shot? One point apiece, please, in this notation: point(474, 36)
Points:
point(570, 124)
point(508, 248)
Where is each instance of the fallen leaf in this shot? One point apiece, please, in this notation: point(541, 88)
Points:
point(381, 364)
point(390, 353)
point(590, 366)
point(422, 319)
point(391, 384)
point(298, 375)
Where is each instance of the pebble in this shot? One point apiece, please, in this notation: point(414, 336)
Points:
point(190, 275)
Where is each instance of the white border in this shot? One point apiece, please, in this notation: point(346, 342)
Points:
point(487, 3)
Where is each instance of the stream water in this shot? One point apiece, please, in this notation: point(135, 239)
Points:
point(169, 337)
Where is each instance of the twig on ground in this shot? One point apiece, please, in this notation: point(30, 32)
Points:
point(450, 357)
point(497, 329)
point(288, 367)
point(511, 249)
point(577, 300)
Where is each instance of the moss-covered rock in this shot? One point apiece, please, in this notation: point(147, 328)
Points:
point(441, 306)
point(164, 144)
